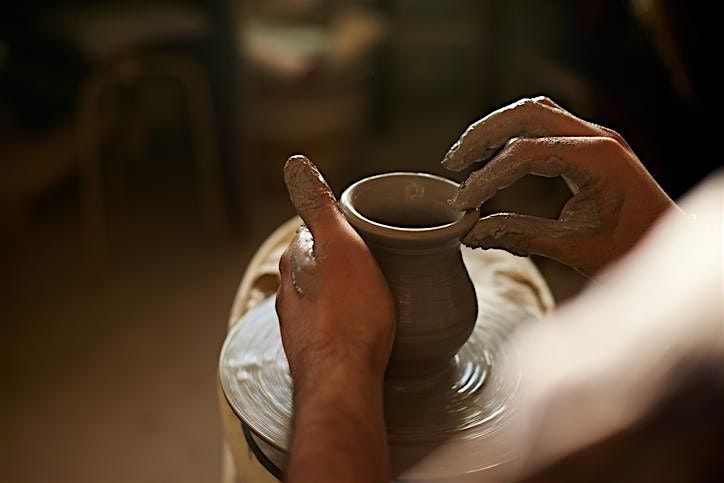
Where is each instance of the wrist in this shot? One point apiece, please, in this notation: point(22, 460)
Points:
point(339, 419)
point(346, 383)
point(355, 360)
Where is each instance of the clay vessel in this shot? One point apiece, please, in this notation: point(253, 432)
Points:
point(414, 234)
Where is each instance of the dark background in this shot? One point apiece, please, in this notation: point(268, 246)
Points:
point(141, 146)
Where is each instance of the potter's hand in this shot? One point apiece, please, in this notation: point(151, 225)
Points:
point(615, 200)
point(334, 304)
point(337, 320)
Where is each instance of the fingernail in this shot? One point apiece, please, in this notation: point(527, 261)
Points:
point(498, 238)
point(450, 161)
point(460, 202)
point(470, 197)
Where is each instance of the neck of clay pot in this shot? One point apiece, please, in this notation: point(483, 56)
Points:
point(435, 302)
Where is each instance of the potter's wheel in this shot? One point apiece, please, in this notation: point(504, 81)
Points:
point(467, 407)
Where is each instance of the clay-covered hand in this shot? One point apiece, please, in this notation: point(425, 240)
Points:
point(337, 321)
point(615, 200)
point(334, 305)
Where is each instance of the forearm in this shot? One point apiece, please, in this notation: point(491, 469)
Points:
point(338, 429)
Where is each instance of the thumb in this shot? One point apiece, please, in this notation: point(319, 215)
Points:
point(521, 235)
point(310, 194)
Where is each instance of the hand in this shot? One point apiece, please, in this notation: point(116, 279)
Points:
point(337, 322)
point(334, 305)
point(615, 200)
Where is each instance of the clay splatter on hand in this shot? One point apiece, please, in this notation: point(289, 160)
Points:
point(310, 195)
point(304, 273)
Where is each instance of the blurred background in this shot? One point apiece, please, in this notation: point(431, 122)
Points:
point(141, 146)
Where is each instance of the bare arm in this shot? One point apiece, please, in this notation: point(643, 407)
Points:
point(337, 322)
point(339, 430)
point(626, 383)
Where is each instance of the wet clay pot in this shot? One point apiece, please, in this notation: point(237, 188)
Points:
point(445, 392)
point(414, 234)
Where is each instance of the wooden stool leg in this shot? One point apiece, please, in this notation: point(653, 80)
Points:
point(197, 93)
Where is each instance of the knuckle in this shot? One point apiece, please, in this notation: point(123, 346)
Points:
point(518, 144)
point(614, 135)
point(611, 145)
point(543, 100)
point(526, 104)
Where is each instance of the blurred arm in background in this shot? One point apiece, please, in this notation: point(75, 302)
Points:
point(626, 383)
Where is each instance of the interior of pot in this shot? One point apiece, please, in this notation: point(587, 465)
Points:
point(404, 200)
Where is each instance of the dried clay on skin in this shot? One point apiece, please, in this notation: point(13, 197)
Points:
point(526, 118)
point(304, 264)
point(310, 194)
point(307, 189)
point(592, 205)
point(514, 232)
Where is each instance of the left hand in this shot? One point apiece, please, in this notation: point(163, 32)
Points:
point(337, 321)
point(335, 309)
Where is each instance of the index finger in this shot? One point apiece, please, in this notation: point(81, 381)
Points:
point(528, 118)
point(568, 157)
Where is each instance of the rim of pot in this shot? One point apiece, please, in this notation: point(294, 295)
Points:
point(453, 230)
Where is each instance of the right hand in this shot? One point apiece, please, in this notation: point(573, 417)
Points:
point(615, 200)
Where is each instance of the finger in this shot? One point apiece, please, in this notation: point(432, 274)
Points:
point(524, 235)
point(569, 157)
point(311, 195)
point(529, 118)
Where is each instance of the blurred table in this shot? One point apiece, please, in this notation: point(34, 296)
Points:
point(515, 278)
